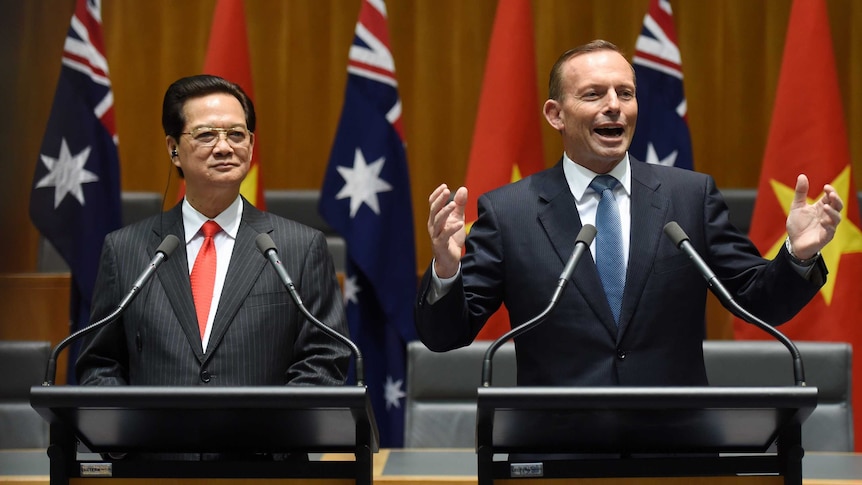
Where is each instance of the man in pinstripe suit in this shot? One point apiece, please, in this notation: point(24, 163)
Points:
point(526, 231)
point(253, 334)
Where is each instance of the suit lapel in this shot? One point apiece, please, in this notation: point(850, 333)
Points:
point(246, 264)
point(559, 217)
point(174, 277)
point(648, 212)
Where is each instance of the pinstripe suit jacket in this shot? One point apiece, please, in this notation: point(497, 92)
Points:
point(258, 337)
point(526, 232)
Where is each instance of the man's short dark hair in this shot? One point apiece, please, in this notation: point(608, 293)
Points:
point(173, 120)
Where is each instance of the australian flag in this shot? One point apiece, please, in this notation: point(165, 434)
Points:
point(75, 197)
point(366, 198)
point(661, 135)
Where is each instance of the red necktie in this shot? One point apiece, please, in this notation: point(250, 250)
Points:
point(203, 275)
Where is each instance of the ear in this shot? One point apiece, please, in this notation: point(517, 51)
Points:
point(552, 110)
point(251, 147)
point(171, 144)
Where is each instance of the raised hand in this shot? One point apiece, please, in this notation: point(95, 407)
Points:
point(811, 226)
point(447, 229)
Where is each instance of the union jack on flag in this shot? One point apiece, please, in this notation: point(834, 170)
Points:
point(366, 198)
point(661, 135)
point(75, 197)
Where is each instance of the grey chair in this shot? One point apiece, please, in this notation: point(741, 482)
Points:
point(22, 365)
point(441, 387)
point(301, 206)
point(134, 206)
point(441, 393)
point(740, 202)
point(827, 366)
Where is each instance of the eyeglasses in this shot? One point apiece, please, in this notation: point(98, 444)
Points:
point(208, 136)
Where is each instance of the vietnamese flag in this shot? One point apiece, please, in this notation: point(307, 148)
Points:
point(228, 57)
point(808, 135)
point(507, 138)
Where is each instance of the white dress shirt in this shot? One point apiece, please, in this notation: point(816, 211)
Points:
point(224, 241)
point(587, 199)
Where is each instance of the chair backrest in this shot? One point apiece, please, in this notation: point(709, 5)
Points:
point(441, 393)
point(22, 364)
point(740, 203)
point(441, 387)
point(827, 366)
point(135, 206)
point(301, 206)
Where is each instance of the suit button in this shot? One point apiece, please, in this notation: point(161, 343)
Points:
point(621, 354)
point(205, 376)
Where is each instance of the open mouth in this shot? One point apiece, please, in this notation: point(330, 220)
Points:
point(610, 132)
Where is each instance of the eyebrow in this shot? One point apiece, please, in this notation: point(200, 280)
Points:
point(236, 125)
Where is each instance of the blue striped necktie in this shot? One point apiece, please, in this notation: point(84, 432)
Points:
point(609, 243)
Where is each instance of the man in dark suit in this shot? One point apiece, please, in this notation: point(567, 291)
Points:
point(647, 331)
point(245, 330)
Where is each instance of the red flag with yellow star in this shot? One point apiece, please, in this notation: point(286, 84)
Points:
point(507, 139)
point(228, 57)
point(808, 135)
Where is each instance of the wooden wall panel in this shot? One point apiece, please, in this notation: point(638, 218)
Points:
point(36, 307)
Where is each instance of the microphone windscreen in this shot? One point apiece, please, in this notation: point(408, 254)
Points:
point(587, 234)
point(675, 233)
point(264, 243)
point(168, 245)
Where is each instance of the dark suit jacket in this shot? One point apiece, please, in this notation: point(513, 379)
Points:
point(258, 337)
point(526, 232)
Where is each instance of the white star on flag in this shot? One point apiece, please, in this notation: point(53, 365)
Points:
point(393, 392)
point(66, 173)
point(363, 183)
point(351, 289)
point(652, 157)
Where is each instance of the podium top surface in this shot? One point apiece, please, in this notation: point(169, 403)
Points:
point(197, 397)
point(204, 419)
point(647, 397)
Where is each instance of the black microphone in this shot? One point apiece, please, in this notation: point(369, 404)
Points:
point(163, 252)
point(267, 247)
point(582, 245)
point(680, 239)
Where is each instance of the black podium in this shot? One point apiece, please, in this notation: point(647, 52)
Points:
point(642, 431)
point(236, 421)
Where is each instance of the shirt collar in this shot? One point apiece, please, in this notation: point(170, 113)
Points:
point(228, 220)
point(579, 177)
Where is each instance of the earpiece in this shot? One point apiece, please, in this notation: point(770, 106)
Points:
point(174, 153)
